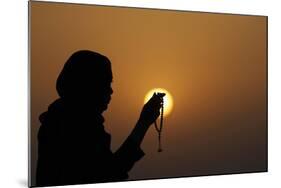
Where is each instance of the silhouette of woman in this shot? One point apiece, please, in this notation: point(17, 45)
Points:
point(73, 147)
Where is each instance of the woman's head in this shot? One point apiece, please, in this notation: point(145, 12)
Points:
point(86, 77)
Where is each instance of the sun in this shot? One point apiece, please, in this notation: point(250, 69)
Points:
point(168, 99)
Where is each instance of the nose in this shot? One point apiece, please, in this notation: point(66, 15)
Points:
point(111, 91)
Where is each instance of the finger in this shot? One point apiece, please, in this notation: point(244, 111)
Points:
point(161, 94)
point(153, 99)
point(155, 103)
point(160, 97)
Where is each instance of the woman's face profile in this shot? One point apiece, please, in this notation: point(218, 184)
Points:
point(102, 92)
point(86, 80)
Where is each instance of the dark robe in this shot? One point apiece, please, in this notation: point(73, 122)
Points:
point(74, 148)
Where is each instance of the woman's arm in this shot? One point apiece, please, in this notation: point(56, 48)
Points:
point(149, 114)
point(130, 151)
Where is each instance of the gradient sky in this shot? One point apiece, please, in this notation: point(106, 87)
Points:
point(214, 65)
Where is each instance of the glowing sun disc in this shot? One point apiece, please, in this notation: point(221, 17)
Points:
point(168, 99)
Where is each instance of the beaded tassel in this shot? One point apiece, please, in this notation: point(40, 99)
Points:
point(159, 129)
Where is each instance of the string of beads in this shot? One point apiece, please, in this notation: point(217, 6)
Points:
point(159, 129)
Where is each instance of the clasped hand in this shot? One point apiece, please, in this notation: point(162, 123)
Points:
point(151, 110)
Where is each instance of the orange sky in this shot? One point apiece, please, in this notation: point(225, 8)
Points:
point(214, 65)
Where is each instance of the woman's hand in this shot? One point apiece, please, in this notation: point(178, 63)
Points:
point(151, 110)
